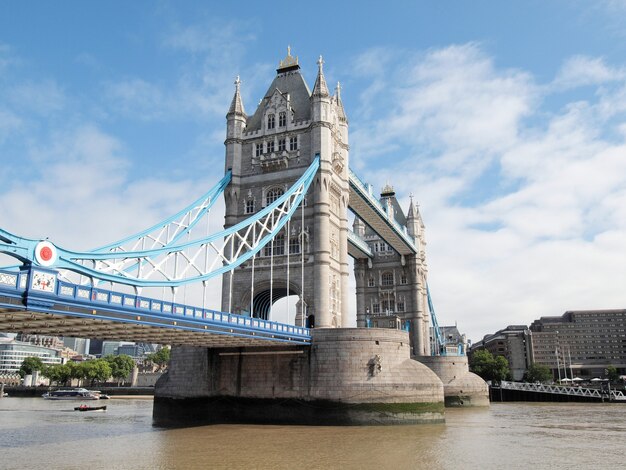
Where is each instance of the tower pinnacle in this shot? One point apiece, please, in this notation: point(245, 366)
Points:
point(236, 106)
point(320, 89)
point(289, 63)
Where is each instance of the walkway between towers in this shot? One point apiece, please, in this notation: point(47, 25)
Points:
point(55, 291)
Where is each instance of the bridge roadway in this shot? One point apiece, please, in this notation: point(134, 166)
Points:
point(34, 301)
point(368, 208)
point(67, 309)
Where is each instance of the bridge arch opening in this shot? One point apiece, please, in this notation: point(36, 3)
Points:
point(278, 303)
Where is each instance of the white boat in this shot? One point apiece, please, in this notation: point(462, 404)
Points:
point(71, 394)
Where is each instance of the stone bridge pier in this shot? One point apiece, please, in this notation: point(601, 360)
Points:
point(347, 376)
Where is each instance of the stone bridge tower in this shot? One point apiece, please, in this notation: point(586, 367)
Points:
point(267, 152)
point(391, 285)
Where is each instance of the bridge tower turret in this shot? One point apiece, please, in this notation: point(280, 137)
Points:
point(420, 321)
point(236, 120)
point(394, 284)
point(267, 152)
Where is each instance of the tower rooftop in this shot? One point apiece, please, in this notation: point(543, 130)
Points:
point(289, 63)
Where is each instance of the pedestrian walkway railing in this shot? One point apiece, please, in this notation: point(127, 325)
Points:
point(612, 395)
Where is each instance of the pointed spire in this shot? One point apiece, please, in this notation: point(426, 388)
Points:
point(320, 88)
point(236, 106)
point(412, 212)
point(341, 113)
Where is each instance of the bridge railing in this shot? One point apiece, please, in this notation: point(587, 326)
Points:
point(366, 191)
point(617, 395)
point(16, 283)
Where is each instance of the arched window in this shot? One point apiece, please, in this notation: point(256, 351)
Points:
point(273, 194)
point(282, 119)
point(271, 121)
point(386, 279)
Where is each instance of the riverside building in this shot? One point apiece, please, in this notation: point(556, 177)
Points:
point(13, 353)
point(514, 344)
point(579, 343)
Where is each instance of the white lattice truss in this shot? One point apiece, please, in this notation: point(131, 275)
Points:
point(561, 390)
point(161, 257)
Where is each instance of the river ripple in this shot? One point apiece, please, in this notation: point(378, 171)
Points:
point(36, 433)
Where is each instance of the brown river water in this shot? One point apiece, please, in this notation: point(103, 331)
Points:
point(41, 434)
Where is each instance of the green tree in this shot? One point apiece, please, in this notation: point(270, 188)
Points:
point(612, 374)
point(121, 366)
point(76, 370)
point(29, 365)
point(500, 369)
point(480, 363)
point(58, 373)
point(98, 370)
point(160, 358)
point(484, 364)
point(538, 373)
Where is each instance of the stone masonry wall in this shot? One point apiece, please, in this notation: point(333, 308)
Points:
point(351, 365)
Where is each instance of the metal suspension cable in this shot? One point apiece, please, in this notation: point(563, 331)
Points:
point(114, 266)
point(302, 309)
point(230, 287)
point(288, 250)
point(252, 279)
point(269, 313)
point(205, 202)
point(185, 286)
point(206, 260)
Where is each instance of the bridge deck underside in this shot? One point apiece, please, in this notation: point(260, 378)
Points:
point(371, 215)
point(183, 333)
point(356, 252)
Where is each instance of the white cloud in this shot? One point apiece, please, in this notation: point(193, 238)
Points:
point(9, 123)
point(139, 98)
point(451, 103)
point(41, 98)
point(582, 70)
point(523, 207)
point(211, 53)
point(6, 57)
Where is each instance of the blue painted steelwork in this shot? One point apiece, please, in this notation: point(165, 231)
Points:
point(24, 248)
point(269, 221)
point(438, 346)
point(22, 292)
point(365, 192)
point(201, 205)
point(261, 228)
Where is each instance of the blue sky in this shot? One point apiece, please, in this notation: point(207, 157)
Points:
point(506, 120)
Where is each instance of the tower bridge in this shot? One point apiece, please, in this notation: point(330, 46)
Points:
point(287, 188)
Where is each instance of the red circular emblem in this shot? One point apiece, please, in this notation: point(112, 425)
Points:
point(45, 253)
